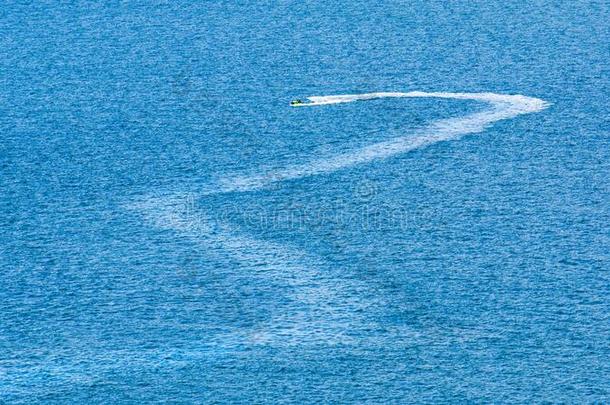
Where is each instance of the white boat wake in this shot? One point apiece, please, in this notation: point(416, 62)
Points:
point(327, 310)
point(502, 107)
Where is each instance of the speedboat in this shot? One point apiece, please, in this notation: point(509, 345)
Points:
point(296, 102)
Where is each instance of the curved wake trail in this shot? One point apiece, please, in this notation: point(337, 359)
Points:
point(330, 305)
point(501, 107)
point(327, 307)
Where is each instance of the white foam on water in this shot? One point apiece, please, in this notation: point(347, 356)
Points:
point(324, 310)
point(501, 107)
point(329, 306)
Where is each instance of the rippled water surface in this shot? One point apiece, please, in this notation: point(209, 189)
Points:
point(172, 230)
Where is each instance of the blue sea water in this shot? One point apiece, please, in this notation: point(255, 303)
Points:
point(164, 236)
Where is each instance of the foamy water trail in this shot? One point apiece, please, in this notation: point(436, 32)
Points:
point(501, 107)
point(330, 305)
point(327, 308)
